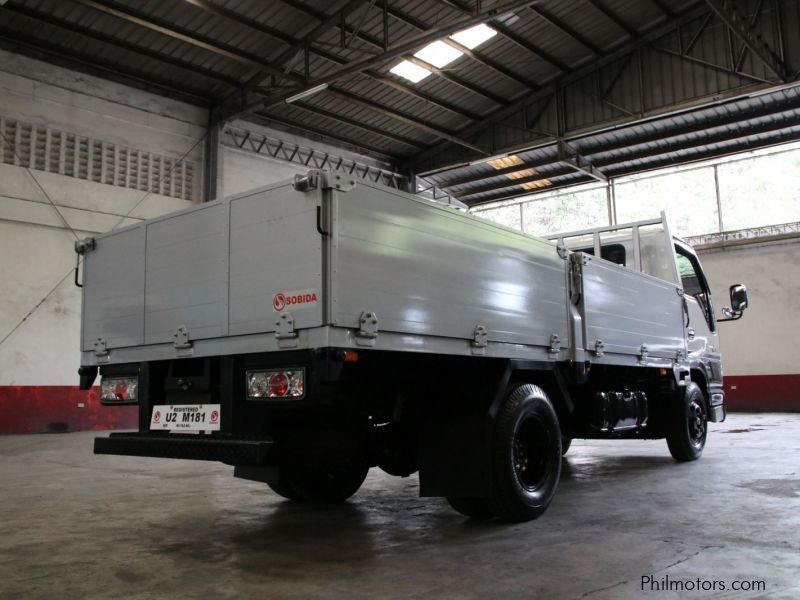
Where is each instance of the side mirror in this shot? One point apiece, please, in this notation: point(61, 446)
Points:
point(738, 293)
point(738, 297)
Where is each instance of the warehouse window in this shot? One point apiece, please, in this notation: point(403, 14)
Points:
point(739, 192)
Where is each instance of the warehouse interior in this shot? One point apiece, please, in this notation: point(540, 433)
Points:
point(541, 116)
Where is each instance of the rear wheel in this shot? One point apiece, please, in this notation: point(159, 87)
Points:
point(475, 508)
point(526, 454)
point(327, 483)
point(687, 428)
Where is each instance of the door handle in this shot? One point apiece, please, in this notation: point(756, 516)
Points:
point(690, 334)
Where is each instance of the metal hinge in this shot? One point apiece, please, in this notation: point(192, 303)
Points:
point(555, 344)
point(181, 338)
point(576, 262)
point(480, 339)
point(100, 347)
point(643, 353)
point(284, 327)
point(85, 245)
point(367, 328)
point(599, 348)
point(337, 181)
point(307, 182)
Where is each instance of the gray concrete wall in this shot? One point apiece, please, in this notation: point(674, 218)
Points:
point(764, 340)
point(115, 142)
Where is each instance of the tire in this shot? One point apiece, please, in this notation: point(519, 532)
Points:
point(687, 427)
point(474, 508)
point(526, 454)
point(565, 444)
point(285, 489)
point(328, 483)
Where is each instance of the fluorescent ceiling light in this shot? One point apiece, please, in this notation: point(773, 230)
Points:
point(535, 185)
point(414, 73)
point(505, 161)
point(474, 36)
point(438, 54)
point(521, 174)
point(306, 93)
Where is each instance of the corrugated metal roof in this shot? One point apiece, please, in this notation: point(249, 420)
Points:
point(205, 51)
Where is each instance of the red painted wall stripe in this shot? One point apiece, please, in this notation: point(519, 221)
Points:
point(762, 393)
point(49, 408)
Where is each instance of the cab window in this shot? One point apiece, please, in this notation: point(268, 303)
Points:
point(694, 283)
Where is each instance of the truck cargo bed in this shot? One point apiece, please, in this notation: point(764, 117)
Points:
point(327, 260)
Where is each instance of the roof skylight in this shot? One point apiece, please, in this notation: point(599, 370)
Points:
point(439, 54)
point(414, 73)
point(474, 36)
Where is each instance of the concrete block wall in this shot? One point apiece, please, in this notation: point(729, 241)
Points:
point(761, 355)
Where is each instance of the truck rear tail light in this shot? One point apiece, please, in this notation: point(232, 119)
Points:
point(265, 385)
point(119, 389)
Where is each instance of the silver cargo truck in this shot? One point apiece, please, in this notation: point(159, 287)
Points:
point(307, 331)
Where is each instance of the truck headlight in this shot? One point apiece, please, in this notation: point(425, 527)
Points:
point(284, 383)
point(119, 389)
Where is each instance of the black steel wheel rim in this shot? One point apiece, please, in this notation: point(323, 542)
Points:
point(530, 453)
point(697, 423)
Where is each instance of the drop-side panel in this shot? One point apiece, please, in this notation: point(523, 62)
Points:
point(625, 309)
point(113, 290)
point(427, 270)
point(186, 283)
point(276, 253)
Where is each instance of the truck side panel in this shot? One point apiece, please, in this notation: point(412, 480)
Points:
point(274, 248)
point(427, 270)
point(625, 309)
point(186, 276)
point(113, 290)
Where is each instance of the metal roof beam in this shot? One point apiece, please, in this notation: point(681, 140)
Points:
point(743, 131)
point(510, 183)
point(509, 34)
point(577, 161)
point(614, 18)
point(329, 56)
point(183, 35)
point(391, 53)
point(134, 48)
point(565, 29)
point(523, 193)
point(456, 80)
point(447, 184)
point(738, 25)
point(556, 82)
point(358, 145)
point(477, 56)
point(353, 123)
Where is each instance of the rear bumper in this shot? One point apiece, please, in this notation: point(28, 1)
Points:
point(191, 447)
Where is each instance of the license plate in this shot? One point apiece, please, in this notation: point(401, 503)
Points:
point(185, 417)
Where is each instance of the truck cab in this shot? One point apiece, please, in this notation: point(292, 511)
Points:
point(650, 248)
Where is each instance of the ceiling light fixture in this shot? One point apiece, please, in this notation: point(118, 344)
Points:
point(505, 161)
point(408, 70)
point(306, 93)
point(438, 54)
point(474, 36)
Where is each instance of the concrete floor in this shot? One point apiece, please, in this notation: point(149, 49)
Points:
point(76, 525)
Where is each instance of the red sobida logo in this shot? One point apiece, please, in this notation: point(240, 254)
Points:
point(281, 300)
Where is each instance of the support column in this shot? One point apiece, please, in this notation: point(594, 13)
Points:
point(213, 176)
